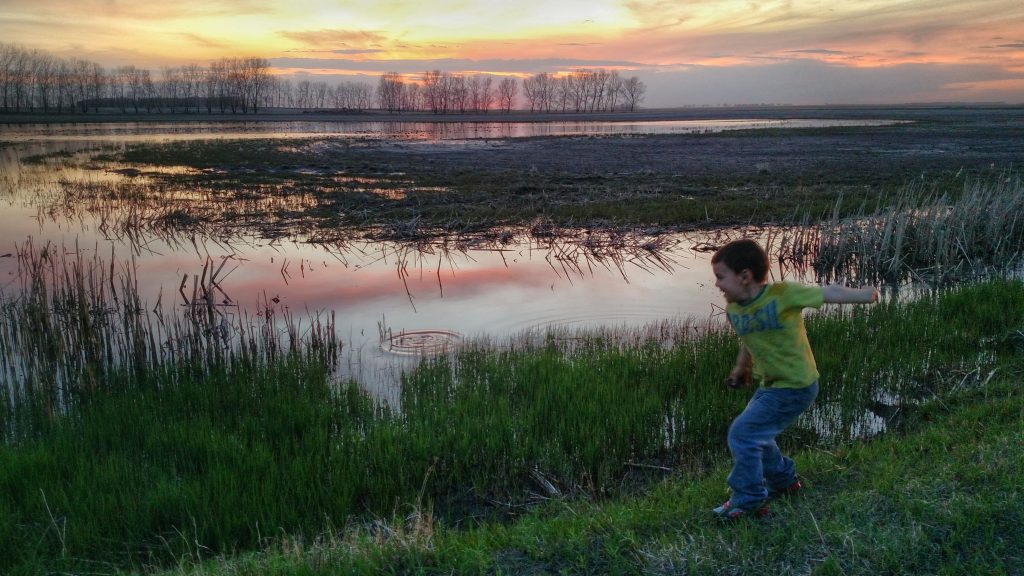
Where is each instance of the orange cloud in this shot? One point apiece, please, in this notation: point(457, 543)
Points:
point(368, 37)
point(332, 38)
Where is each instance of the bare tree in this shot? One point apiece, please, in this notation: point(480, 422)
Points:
point(362, 96)
point(412, 97)
point(481, 92)
point(486, 94)
point(98, 84)
point(119, 87)
point(284, 93)
point(319, 94)
point(191, 82)
point(613, 91)
point(214, 84)
point(633, 91)
point(64, 83)
point(171, 86)
point(561, 94)
point(389, 91)
point(22, 74)
point(43, 69)
point(236, 85)
point(148, 89)
point(433, 91)
point(8, 53)
point(257, 79)
point(459, 90)
point(574, 90)
point(540, 91)
point(304, 94)
point(507, 93)
point(531, 91)
point(80, 76)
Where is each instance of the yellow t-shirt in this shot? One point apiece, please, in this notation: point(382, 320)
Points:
point(772, 328)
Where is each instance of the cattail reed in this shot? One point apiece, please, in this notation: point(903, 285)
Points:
point(922, 234)
point(76, 321)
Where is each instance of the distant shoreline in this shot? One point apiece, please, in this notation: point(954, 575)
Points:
point(644, 115)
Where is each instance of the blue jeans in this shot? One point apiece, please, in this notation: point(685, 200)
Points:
point(758, 465)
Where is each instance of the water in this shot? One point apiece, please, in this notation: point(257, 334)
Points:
point(393, 303)
point(160, 131)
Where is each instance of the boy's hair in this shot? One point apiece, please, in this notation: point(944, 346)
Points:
point(745, 254)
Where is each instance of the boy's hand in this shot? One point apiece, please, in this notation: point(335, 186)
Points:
point(836, 294)
point(738, 379)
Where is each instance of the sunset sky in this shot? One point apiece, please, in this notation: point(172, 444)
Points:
point(691, 52)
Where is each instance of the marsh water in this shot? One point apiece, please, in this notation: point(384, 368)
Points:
point(398, 130)
point(392, 302)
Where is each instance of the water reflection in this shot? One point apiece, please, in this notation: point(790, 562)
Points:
point(437, 131)
point(393, 300)
point(393, 303)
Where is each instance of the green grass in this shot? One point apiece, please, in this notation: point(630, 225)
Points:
point(196, 459)
point(943, 497)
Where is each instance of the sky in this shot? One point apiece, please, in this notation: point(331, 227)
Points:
point(688, 52)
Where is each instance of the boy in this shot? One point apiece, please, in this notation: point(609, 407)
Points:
point(768, 319)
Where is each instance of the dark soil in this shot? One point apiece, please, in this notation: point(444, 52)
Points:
point(666, 182)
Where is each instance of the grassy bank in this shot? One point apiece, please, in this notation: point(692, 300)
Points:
point(943, 497)
point(207, 456)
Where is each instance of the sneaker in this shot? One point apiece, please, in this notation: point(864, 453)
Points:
point(790, 490)
point(729, 512)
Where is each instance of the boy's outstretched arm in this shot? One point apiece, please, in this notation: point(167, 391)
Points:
point(836, 294)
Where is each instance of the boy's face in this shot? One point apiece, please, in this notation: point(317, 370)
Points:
point(735, 287)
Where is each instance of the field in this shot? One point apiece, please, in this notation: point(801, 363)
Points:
point(173, 443)
point(226, 451)
point(659, 182)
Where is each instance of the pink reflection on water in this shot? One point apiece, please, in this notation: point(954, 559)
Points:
point(412, 131)
point(372, 288)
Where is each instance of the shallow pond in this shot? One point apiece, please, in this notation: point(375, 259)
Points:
point(392, 302)
point(162, 131)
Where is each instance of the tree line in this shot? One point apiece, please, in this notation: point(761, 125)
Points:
point(578, 91)
point(35, 81)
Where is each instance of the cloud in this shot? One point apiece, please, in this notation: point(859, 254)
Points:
point(140, 10)
point(818, 51)
point(320, 38)
point(939, 30)
point(357, 51)
point(530, 66)
point(1018, 45)
point(815, 82)
point(203, 41)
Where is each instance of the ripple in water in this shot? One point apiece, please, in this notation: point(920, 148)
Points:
point(421, 342)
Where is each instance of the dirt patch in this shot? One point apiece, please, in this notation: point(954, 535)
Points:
point(668, 182)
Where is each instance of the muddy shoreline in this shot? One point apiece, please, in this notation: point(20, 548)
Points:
point(663, 182)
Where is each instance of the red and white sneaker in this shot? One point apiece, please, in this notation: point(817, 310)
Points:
point(729, 512)
point(791, 490)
